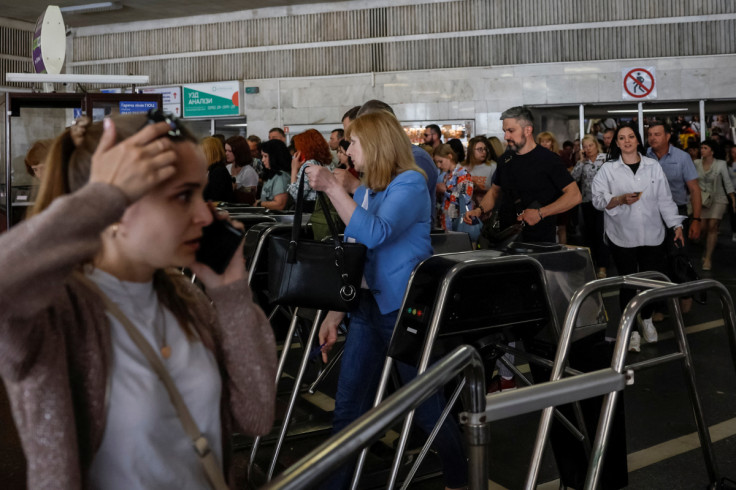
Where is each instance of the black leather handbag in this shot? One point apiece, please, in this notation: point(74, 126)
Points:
point(325, 275)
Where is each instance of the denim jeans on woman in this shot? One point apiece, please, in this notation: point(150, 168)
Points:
point(365, 352)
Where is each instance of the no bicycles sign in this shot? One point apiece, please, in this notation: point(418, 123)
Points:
point(639, 83)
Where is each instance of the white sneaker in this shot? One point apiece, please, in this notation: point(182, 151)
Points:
point(650, 333)
point(635, 342)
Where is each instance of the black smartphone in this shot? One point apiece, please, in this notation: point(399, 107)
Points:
point(219, 242)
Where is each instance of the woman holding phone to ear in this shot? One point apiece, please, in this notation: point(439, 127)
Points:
point(120, 205)
point(635, 197)
point(390, 213)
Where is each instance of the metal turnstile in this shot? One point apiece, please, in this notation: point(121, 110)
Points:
point(255, 249)
point(467, 296)
point(656, 288)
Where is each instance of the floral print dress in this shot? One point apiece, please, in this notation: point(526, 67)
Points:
point(459, 183)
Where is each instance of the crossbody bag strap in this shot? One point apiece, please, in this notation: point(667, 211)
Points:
point(201, 446)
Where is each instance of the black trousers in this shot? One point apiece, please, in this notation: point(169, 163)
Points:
point(637, 259)
point(593, 232)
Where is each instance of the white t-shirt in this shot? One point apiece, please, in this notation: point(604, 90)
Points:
point(144, 444)
point(247, 177)
point(482, 175)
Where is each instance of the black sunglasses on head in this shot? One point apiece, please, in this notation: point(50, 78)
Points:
point(158, 115)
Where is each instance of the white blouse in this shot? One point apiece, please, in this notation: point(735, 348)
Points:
point(247, 177)
point(144, 444)
point(639, 224)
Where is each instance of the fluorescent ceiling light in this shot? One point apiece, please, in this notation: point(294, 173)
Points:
point(73, 78)
point(634, 111)
point(91, 7)
point(242, 125)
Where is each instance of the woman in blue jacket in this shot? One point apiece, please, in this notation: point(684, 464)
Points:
point(390, 213)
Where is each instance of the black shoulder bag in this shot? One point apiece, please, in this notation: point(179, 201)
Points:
point(311, 274)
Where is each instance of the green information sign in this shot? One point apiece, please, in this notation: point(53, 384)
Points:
point(211, 99)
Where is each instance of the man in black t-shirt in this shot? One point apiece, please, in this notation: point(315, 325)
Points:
point(531, 182)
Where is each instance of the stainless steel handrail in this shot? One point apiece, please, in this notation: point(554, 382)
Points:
point(327, 457)
point(642, 279)
point(672, 293)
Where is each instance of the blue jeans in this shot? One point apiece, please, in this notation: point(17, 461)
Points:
point(365, 352)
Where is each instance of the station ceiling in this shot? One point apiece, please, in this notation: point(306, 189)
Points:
point(137, 10)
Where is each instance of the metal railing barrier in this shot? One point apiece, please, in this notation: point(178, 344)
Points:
point(330, 455)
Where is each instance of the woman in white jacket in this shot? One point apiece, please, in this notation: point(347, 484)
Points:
point(635, 197)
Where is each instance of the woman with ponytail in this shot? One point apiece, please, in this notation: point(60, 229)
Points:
point(120, 206)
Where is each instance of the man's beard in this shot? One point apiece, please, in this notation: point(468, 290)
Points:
point(512, 144)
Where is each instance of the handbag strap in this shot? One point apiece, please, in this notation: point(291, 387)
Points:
point(201, 446)
point(347, 291)
point(297, 224)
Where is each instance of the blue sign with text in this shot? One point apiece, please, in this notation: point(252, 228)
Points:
point(129, 107)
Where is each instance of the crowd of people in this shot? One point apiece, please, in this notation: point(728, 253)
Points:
point(121, 208)
point(477, 189)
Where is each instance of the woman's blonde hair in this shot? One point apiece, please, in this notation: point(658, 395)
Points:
point(68, 169)
point(498, 147)
point(213, 150)
point(37, 155)
point(445, 151)
point(546, 135)
point(386, 148)
point(592, 139)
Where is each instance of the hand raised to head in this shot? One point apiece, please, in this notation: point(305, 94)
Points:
point(137, 164)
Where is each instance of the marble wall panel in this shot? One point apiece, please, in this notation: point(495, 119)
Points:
point(696, 83)
point(482, 93)
point(397, 92)
point(535, 90)
point(503, 87)
point(464, 109)
point(495, 72)
point(560, 89)
point(586, 88)
point(539, 69)
point(438, 110)
point(261, 120)
point(404, 112)
point(267, 98)
point(325, 115)
point(339, 81)
point(287, 97)
point(293, 83)
point(291, 115)
point(609, 87)
point(669, 85)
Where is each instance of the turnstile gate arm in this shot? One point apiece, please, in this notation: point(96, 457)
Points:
point(331, 454)
point(643, 279)
point(433, 331)
point(672, 293)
